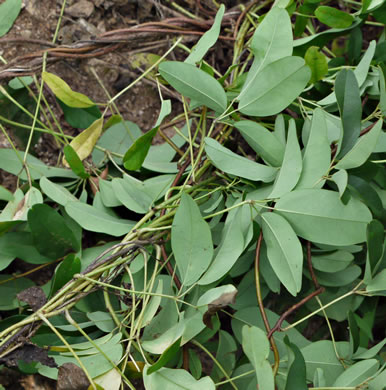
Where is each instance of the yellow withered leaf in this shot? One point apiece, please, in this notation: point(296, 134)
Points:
point(84, 143)
point(63, 92)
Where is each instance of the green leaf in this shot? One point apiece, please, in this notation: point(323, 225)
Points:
point(80, 118)
point(271, 41)
point(234, 239)
point(296, 378)
point(191, 241)
point(340, 178)
point(370, 353)
point(362, 149)
point(256, 346)
point(333, 17)
point(284, 251)
point(262, 141)
point(355, 45)
point(83, 144)
point(357, 373)
point(360, 73)
point(350, 107)
point(74, 162)
point(10, 162)
point(207, 40)
point(50, 233)
point(139, 196)
point(382, 88)
point(317, 154)
point(9, 11)
point(102, 320)
point(275, 87)
point(321, 354)
point(63, 92)
point(234, 164)
point(365, 192)
point(338, 278)
point(116, 140)
point(194, 84)
point(195, 366)
point(10, 287)
point(5, 194)
point(64, 272)
point(333, 262)
point(378, 285)
point(20, 245)
point(225, 354)
point(94, 220)
point(93, 360)
point(375, 238)
point(354, 333)
point(250, 317)
point(175, 379)
point(56, 192)
point(135, 156)
point(317, 62)
point(320, 216)
point(166, 356)
point(291, 168)
point(322, 38)
point(378, 383)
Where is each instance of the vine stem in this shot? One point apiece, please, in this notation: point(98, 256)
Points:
point(261, 304)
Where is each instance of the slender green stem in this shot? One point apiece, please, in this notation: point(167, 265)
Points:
point(144, 74)
point(63, 340)
point(216, 362)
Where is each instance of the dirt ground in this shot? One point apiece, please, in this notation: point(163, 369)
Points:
point(81, 21)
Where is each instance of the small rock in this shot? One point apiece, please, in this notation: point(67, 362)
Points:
point(81, 9)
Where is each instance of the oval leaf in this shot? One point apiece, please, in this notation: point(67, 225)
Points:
point(175, 379)
point(357, 373)
point(234, 164)
point(291, 169)
point(56, 192)
point(320, 216)
point(195, 84)
point(63, 92)
point(350, 107)
point(64, 272)
point(284, 251)
point(333, 17)
point(9, 11)
point(235, 237)
point(84, 143)
point(262, 141)
point(74, 162)
point(317, 154)
point(207, 40)
point(317, 62)
point(51, 236)
point(191, 241)
point(271, 41)
point(135, 156)
point(275, 87)
point(94, 220)
point(361, 151)
point(256, 346)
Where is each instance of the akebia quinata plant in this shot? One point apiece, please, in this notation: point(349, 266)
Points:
point(253, 238)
